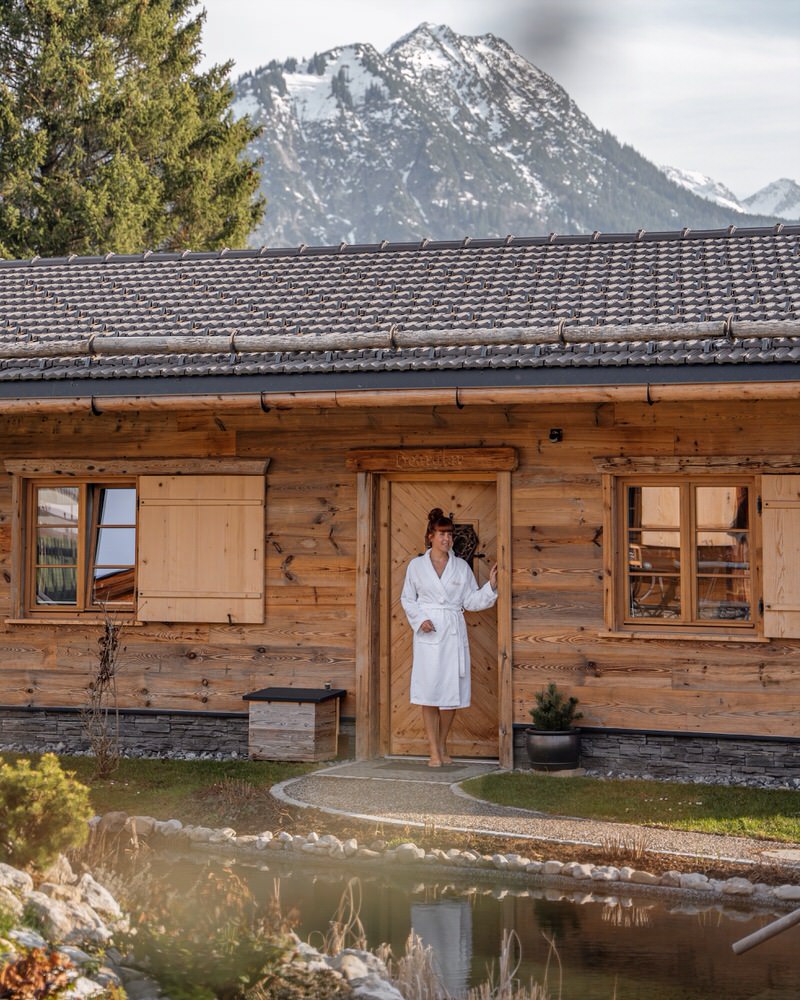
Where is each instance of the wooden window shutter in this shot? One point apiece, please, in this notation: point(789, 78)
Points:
point(780, 533)
point(201, 549)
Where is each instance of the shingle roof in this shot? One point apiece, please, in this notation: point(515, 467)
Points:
point(645, 299)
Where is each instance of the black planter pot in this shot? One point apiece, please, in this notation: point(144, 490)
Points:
point(550, 750)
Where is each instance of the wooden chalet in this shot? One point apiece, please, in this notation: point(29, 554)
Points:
point(233, 454)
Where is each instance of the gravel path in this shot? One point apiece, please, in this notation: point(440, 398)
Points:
point(422, 797)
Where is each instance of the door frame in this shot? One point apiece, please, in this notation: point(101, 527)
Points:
point(372, 468)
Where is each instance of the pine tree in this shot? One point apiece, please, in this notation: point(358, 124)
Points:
point(111, 139)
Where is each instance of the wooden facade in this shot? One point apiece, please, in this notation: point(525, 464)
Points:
point(339, 488)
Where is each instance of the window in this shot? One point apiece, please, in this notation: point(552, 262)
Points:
point(83, 546)
point(144, 542)
point(685, 557)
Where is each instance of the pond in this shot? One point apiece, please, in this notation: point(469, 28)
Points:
point(625, 947)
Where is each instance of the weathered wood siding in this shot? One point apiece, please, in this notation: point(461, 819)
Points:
point(308, 635)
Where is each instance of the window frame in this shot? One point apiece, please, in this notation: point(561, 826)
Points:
point(87, 487)
point(619, 621)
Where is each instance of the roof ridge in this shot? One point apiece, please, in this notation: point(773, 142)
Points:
point(468, 243)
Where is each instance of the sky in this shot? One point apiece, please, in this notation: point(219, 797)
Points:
point(704, 85)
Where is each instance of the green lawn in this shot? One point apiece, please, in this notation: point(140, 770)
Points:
point(745, 812)
point(192, 790)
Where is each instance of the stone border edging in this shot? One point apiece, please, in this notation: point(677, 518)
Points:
point(331, 847)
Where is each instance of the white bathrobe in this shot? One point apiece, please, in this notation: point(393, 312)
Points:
point(440, 669)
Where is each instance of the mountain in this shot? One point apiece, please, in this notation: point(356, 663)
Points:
point(445, 136)
point(705, 187)
point(781, 198)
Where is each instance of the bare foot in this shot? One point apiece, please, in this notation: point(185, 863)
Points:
point(434, 763)
point(446, 758)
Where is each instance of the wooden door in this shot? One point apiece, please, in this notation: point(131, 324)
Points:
point(475, 730)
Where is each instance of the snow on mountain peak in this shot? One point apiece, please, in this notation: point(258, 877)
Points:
point(705, 187)
point(781, 197)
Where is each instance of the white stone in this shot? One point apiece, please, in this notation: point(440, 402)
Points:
point(534, 867)
point(312, 837)
point(298, 842)
point(246, 840)
point(366, 854)
point(169, 827)
point(200, 834)
point(336, 851)
point(453, 854)
point(787, 892)
point(284, 837)
point(671, 878)
point(70, 923)
point(224, 836)
point(350, 846)
point(644, 878)
point(376, 988)
point(500, 862)
point(605, 873)
point(16, 881)
point(516, 862)
point(83, 987)
point(407, 853)
point(10, 904)
point(552, 867)
point(738, 887)
point(27, 938)
point(67, 893)
point(569, 867)
point(694, 880)
point(582, 871)
point(76, 955)
point(60, 872)
point(98, 897)
point(266, 836)
point(625, 873)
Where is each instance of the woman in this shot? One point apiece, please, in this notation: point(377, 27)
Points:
point(438, 588)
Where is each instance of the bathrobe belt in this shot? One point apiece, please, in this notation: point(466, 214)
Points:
point(453, 609)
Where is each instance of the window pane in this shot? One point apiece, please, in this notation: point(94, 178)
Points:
point(654, 507)
point(57, 505)
point(116, 547)
point(723, 575)
point(721, 506)
point(113, 586)
point(56, 585)
point(654, 596)
point(57, 546)
point(116, 505)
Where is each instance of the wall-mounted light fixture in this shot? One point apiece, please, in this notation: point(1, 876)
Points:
point(556, 434)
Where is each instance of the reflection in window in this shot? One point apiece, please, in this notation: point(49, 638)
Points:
point(688, 552)
point(83, 546)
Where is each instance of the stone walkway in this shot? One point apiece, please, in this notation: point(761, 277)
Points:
point(408, 793)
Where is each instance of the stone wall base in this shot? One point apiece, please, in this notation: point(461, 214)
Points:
point(151, 733)
point(726, 759)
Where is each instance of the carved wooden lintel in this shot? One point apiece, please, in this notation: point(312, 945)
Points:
point(69, 468)
point(432, 460)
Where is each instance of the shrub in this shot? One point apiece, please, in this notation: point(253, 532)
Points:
point(553, 711)
point(43, 811)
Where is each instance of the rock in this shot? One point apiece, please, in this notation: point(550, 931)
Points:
point(787, 892)
point(671, 878)
point(367, 854)
point(27, 938)
point(246, 840)
point(625, 873)
point(453, 854)
point(350, 846)
point(20, 883)
point(738, 887)
point(500, 862)
point(378, 845)
point(143, 826)
point(408, 853)
point(582, 871)
point(98, 897)
point(66, 893)
point(552, 867)
point(199, 834)
point(76, 955)
point(60, 872)
point(112, 822)
point(352, 967)
point(284, 837)
point(605, 873)
point(10, 904)
point(67, 923)
point(534, 867)
point(569, 867)
point(312, 838)
point(83, 987)
point(224, 836)
point(694, 880)
point(644, 878)
point(517, 863)
point(169, 827)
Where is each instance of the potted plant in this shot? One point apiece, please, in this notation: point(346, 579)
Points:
point(553, 745)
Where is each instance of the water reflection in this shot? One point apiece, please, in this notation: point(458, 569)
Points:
point(614, 946)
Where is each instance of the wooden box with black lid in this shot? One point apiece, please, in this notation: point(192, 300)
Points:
point(288, 723)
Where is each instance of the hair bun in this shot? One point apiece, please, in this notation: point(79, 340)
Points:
point(435, 514)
